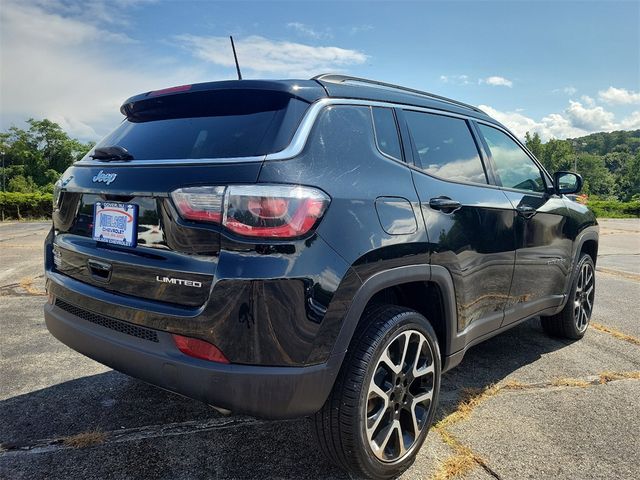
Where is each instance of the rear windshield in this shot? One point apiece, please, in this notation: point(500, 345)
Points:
point(219, 124)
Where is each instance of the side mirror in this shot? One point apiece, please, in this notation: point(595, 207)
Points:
point(567, 182)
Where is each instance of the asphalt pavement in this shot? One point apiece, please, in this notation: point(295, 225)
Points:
point(520, 405)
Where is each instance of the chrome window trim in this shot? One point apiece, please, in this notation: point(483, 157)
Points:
point(298, 142)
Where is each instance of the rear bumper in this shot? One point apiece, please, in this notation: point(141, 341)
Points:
point(267, 392)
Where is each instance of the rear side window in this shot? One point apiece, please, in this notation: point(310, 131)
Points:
point(219, 124)
point(445, 147)
point(384, 122)
point(514, 167)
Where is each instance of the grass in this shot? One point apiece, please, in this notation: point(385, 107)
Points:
point(615, 333)
point(570, 382)
point(27, 284)
point(462, 462)
point(606, 377)
point(85, 439)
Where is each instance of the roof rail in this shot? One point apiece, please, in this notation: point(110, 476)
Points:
point(337, 78)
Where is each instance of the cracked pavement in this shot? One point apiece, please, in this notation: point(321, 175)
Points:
point(559, 422)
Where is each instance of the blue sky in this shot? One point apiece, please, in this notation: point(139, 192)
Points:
point(563, 69)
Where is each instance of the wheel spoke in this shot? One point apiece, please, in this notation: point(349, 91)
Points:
point(423, 397)
point(403, 357)
point(387, 436)
point(589, 277)
point(389, 363)
point(403, 449)
point(375, 388)
point(379, 416)
point(414, 419)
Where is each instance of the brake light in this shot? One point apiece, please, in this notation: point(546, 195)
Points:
point(164, 91)
point(199, 349)
point(271, 211)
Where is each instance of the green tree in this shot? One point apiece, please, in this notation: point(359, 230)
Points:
point(534, 144)
point(36, 156)
point(597, 179)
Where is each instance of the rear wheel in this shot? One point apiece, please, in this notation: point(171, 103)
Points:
point(382, 405)
point(573, 320)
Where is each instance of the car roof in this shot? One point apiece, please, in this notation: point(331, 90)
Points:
point(327, 85)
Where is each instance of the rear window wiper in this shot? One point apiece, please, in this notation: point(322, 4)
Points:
point(114, 152)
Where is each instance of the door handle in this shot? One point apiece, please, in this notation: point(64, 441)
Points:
point(446, 204)
point(526, 211)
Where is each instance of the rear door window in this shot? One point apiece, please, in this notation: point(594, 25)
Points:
point(445, 147)
point(386, 129)
point(219, 124)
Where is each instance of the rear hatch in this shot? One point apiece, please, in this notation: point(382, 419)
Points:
point(209, 136)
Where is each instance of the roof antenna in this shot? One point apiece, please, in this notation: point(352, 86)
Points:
point(235, 57)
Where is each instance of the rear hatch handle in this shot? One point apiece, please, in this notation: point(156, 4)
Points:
point(100, 271)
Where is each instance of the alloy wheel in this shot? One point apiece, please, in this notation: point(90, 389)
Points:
point(399, 396)
point(583, 298)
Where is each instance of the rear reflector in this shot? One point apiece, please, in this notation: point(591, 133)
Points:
point(196, 348)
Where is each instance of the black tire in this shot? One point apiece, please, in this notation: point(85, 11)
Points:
point(573, 320)
point(341, 424)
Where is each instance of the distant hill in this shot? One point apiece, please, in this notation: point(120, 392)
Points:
point(606, 142)
point(609, 162)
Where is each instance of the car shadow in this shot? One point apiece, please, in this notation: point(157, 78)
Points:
point(156, 434)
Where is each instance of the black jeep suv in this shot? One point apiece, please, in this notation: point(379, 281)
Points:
point(323, 247)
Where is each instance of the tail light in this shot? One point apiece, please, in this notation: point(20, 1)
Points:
point(202, 204)
point(271, 211)
point(199, 349)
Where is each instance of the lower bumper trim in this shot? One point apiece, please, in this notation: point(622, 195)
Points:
point(261, 391)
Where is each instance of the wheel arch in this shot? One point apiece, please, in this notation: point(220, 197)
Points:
point(435, 278)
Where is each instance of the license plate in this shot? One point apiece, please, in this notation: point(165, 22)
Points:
point(115, 223)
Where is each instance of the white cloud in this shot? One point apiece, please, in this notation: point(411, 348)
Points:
point(497, 81)
point(589, 118)
point(575, 121)
point(67, 69)
point(632, 122)
point(569, 90)
point(309, 31)
point(619, 96)
point(356, 29)
point(268, 57)
point(455, 79)
point(588, 101)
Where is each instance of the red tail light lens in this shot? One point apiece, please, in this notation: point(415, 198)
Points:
point(269, 211)
point(275, 211)
point(199, 349)
point(202, 204)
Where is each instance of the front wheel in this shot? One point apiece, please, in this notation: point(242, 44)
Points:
point(573, 319)
point(382, 405)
